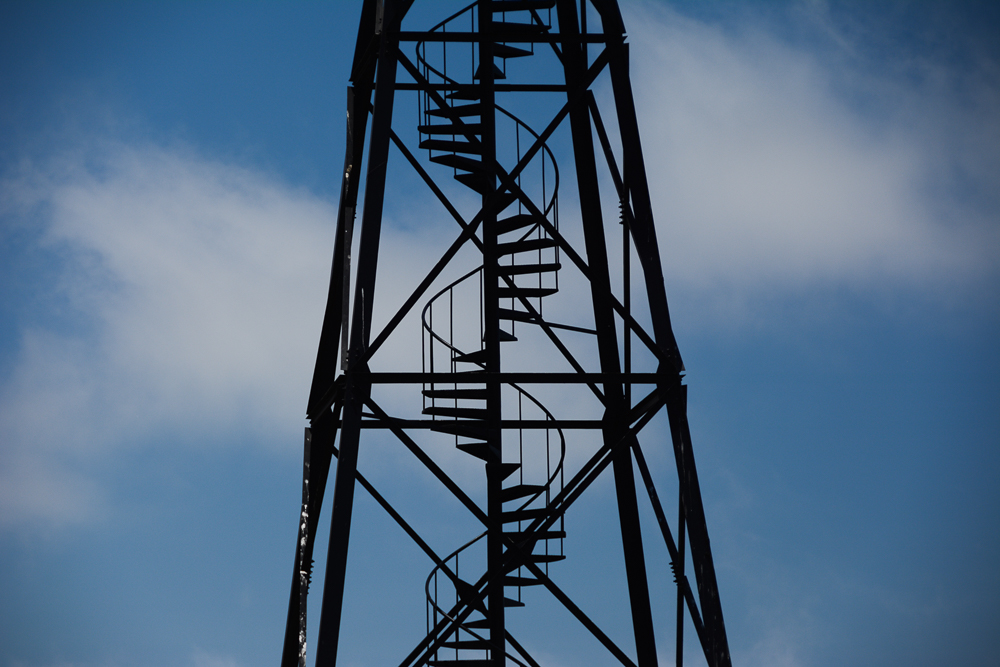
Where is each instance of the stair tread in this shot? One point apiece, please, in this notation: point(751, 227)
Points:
point(504, 470)
point(451, 145)
point(535, 535)
point(520, 5)
point(469, 393)
point(507, 51)
point(524, 246)
point(525, 269)
point(468, 644)
point(517, 315)
point(477, 357)
point(478, 449)
point(462, 428)
point(506, 292)
point(451, 128)
point(476, 181)
point(515, 222)
point(497, 73)
point(509, 31)
point(535, 559)
point(459, 111)
point(449, 411)
point(524, 515)
point(546, 558)
point(505, 200)
point(520, 491)
point(468, 93)
point(459, 162)
point(510, 580)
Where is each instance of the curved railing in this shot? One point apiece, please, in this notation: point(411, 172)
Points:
point(440, 73)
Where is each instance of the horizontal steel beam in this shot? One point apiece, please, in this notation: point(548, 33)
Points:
point(476, 37)
point(394, 423)
point(478, 377)
point(500, 87)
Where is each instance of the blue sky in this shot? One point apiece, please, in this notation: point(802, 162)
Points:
point(826, 190)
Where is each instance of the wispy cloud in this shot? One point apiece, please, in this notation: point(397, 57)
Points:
point(768, 172)
point(197, 287)
point(207, 659)
point(196, 290)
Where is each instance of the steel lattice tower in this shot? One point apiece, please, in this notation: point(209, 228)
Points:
point(490, 114)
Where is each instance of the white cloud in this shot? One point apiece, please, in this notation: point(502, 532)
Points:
point(206, 659)
point(200, 285)
point(198, 289)
point(767, 175)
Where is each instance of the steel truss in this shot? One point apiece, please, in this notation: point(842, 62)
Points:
point(463, 390)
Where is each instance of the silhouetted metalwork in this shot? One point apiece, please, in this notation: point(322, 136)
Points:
point(494, 86)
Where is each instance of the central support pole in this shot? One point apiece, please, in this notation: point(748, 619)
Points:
point(491, 335)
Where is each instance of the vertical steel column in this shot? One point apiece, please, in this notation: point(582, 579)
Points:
point(318, 449)
point(679, 576)
point(616, 412)
point(491, 331)
point(675, 394)
point(358, 386)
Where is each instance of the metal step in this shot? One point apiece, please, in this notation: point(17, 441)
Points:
point(459, 162)
point(497, 73)
point(541, 559)
point(511, 580)
point(520, 5)
point(536, 536)
point(526, 292)
point(452, 146)
point(524, 515)
point(505, 51)
point(467, 591)
point(519, 33)
point(462, 413)
point(474, 430)
point(464, 93)
point(515, 222)
point(478, 394)
point(508, 602)
point(535, 559)
point(477, 624)
point(502, 470)
point(468, 644)
point(523, 269)
point(507, 337)
point(525, 246)
point(520, 491)
point(511, 31)
point(451, 128)
point(517, 316)
point(457, 112)
point(477, 181)
point(505, 200)
point(479, 662)
point(478, 449)
point(477, 357)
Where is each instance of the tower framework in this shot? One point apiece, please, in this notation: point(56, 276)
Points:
point(546, 349)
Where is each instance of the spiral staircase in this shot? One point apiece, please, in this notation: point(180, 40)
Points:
point(528, 267)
